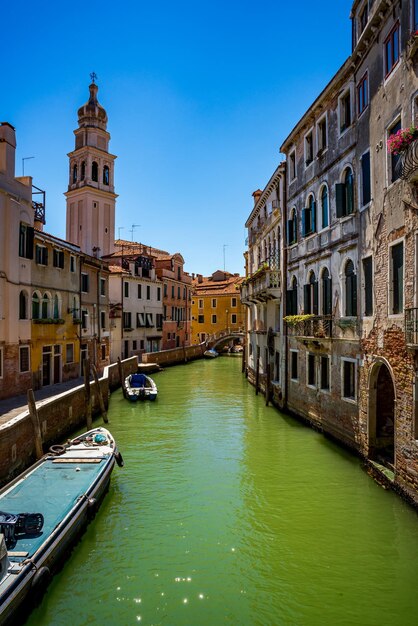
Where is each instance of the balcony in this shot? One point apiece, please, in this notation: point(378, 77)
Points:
point(315, 326)
point(262, 286)
point(407, 166)
point(411, 328)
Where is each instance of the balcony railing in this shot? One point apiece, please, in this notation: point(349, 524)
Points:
point(411, 327)
point(407, 166)
point(262, 286)
point(319, 327)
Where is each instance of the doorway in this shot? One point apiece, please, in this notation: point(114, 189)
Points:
point(382, 415)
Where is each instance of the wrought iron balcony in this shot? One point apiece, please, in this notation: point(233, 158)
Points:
point(263, 285)
point(317, 327)
point(407, 166)
point(411, 328)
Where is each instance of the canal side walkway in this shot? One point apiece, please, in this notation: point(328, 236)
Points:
point(11, 407)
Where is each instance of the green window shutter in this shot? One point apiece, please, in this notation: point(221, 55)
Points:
point(289, 302)
point(350, 197)
point(313, 217)
point(295, 301)
point(340, 199)
point(304, 222)
point(307, 299)
point(365, 176)
point(315, 298)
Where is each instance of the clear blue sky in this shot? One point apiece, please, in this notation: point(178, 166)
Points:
point(199, 94)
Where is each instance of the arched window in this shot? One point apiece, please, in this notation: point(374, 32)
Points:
point(292, 298)
point(94, 172)
point(83, 170)
point(309, 217)
point(56, 307)
point(75, 173)
point(23, 305)
point(36, 310)
point(324, 207)
point(292, 228)
point(350, 290)
point(326, 293)
point(310, 295)
point(45, 307)
point(344, 194)
point(105, 175)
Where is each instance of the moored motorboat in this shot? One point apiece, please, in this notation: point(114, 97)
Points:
point(210, 354)
point(140, 387)
point(62, 491)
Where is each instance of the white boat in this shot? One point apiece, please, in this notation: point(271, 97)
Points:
point(210, 354)
point(62, 491)
point(140, 387)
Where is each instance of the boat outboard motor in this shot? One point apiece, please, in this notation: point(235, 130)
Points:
point(4, 559)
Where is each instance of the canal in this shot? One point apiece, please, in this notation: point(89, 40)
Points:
point(228, 512)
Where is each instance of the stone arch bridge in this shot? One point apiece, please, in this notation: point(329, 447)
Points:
point(224, 336)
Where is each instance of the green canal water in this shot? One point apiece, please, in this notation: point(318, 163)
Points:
point(228, 512)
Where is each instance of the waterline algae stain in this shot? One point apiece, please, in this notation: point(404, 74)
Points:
point(228, 512)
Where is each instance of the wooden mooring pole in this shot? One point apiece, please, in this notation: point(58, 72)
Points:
point(99, 394)
point(33, 412)
point(268, 376)
point(87, 391)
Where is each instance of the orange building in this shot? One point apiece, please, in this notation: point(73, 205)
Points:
point(216, 305)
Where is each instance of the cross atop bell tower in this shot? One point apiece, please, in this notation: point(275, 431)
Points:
point(91, 194)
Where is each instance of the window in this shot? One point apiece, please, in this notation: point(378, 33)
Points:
point(293, 364)
point(72, 264)
point(324, 207)
point(23, 305)
point(365, 179)
point(178, 293)
point(214, 319)
point(200, 304)
point(322, 135)
point(233, 302)
point(24, 363)
point(415, 16)
point(344, 195)
point(84, 319)
point(26, 234)
point(309, 217)
point(324, 373)
point(103, 320)
point(363, 17)
point(45, 313)
point(172, 291)
point(348, 379)
point(394, 172)
point(326, 293)
point(105, 175)
point(85, 283)
point(368, 286)
point(148, 292)
point(201, 319)
point(311, 374)
point(292, 298)
point(94, 172)
point(292, 228)
point(41, 255)
point(363, 94)
point(159, 321)
point(345, 111)
point(83, 170)
point(74, 173)
point(213, 303)
point(102, 286)
point(233, 318)
point(396, 279)
point(127, 320)
point(165, 290)
point(391, 47)
point(36, 306)
point(308, 149)
point(139, 292)
point(158, 294)
point(292, 161)
point(69, 353)
point(350, 290)
point(58, 259)
point(126, 289)
point(57, 307)
point(103, 350)
point(310, 296)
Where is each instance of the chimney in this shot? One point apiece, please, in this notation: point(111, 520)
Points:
point(256, 196)
point(199, 278)
point(7, 149)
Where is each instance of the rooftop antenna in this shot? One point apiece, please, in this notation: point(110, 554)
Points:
point(93, 77)
point(23, 163)
point(119, 229)
point(133, 228)
point(224, 246)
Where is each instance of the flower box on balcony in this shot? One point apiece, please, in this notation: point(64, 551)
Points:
point(48, 320)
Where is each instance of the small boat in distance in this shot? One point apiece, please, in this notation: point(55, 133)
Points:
point(140, 387)
point(210, 354)
point(62, 491)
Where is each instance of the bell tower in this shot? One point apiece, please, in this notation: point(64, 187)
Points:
point(91, 194)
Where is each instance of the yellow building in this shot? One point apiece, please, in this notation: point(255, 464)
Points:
point(216, 305)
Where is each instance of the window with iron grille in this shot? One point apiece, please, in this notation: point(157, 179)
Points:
point(24, 363)
point(348, 379)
